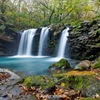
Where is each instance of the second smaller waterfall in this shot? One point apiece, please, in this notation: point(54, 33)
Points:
point(63, 42)
point(43, 40)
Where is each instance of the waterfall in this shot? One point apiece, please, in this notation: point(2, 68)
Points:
point(43, 40)
point(25, 45)
point(63, 42)
point(27, 39)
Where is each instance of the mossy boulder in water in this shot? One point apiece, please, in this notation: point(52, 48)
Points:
point(62, 64)
point(84, 65)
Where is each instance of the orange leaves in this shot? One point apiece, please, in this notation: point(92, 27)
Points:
point(75, 73)
point(58, 92)
point(25, 89)
point(4, 76)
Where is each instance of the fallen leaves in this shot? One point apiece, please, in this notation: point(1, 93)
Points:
point(75, 73)
point(4, 76)
point(59, 92)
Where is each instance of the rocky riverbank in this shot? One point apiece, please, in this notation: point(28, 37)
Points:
point(66, 83)
point(9, 87)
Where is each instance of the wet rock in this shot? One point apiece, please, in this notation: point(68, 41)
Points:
point(12, 75)
point(53, 97)
point(91, 86)
point(62, 64)
point(83, 41)
point(22, 74)
point(84, 65)
point(9, 40)
point(88, 85)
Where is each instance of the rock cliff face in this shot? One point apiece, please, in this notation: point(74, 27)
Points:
point(55, 33)
point(84, 40)
point(9, 44)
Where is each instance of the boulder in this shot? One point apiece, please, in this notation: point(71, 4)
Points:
point(88, 84)
point(91, 86)
point(13, 76)
point(84, 65)
point(62, 64)
point(39, 81)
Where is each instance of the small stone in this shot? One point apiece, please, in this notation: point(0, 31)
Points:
point(97, 96)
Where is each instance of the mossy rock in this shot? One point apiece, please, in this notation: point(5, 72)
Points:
point(97, 64)
point(56, 28)
point(84, 65)
point(2, 27)
point(98, 31)
point(62, 64)
point(87, 84)
point(39, 81)
point(71, 82)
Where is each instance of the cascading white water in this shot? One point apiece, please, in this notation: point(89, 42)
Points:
point(43, 40)
point(63, 42)
point(27, 37)
point(25, 45)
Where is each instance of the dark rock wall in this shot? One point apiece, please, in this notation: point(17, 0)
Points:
point(9, 44)
point(84, 41)
point(55, 33)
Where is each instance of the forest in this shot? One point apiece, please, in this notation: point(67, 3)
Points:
point(23, 14)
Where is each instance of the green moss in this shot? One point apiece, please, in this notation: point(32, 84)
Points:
point(2, 27)
point(89, 99)
point(62, 63)
point(75, 82)
point(56, 28)
point(98, 31)
point(98, 44)
point(39, 81)
point(29, 81)
point(85, 83)
point(97, 65)
point(76, 23)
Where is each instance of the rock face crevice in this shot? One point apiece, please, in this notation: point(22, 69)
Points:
point(84, 40)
